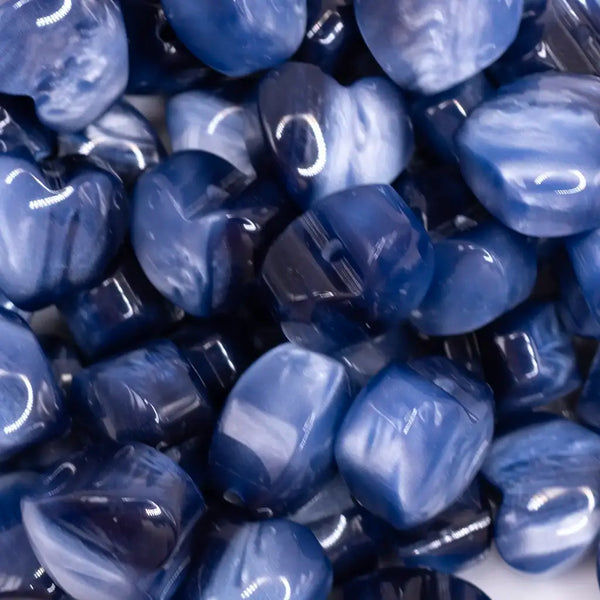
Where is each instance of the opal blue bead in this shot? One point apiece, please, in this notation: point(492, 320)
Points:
point(529, 358)
point(77, 58)
point(326, 137)
point(584, 252)
point(588, 407)
point(123, 309)
point(414, 439)
point(59, 227)
point(431, 46)
point(409, 584)
point(200, 234)
point(115, 523)
point(480, 273)
point(350, 268)
point(348, 534)
point(122, 138)
point(271, 455)
point(259, 36)
point(547, 473)
point(531, 156)
point(31, 406)
point(20, 570)
point(63, 358)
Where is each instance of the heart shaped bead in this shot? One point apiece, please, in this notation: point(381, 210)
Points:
point(115, 523)
point(260, 35)
point(531, 154)
point(431, 46)
point(273, 445)
point(414, 439)
point(547, 473)
point(77, 58)
point(326, 137)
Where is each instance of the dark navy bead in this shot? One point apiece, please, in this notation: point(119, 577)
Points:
point(409, 584)
point(550, 512)
point(531, 154)
point(529, 358)
point(31, 407)
point(59, 228)
point(273, 559)
point(588, 407)
point(150, 395)
point(414, 440)
point(479, 274)
point(63, 358)
point(117, 313)
point(115, 523)
point(350, 268)
point(273, 445)
point(199, 235)
point(76, 63)
point(122, 137)
point(259, 36)
point(326, 137)
point(192, 457)
point(431, 46)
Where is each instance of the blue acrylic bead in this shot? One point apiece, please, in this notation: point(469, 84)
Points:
point(584, 251)
point(531, 154)
point(547, 473)
point(31, 406)
point(480, 273)
point(414, 440)
point(273, 445)
point(588, 407)
point(350, 268)
point(529, 358)
point(326, 137)
point(259, 35)
point(431, 46)
point(115, 523)
point(76, 63)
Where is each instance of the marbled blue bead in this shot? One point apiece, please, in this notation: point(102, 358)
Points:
point(259, 35)
point(266, 560)
point(409, 584)
point(122, 138)
point(200, 234)
point(76, 63)
point(59, 228)
point(115, 523)
point(123, 309)
point(273, 445)
point(588, 407)
point(531, 154)
point(584, 252)
point(529, 358)
point(350, 268)
point(326, 137)
point(31, 406)
point(479, 274)
point(547, 473)
point(414, 439)
point(431, 46)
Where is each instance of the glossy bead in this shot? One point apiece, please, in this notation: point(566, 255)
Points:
point(547, 473)
point(588, 406)
point(409, 584)
point(584, 252)
point(77, 58)
point(271, 455)
point(431, 46)
point(529, 358)
point(350, 268)
point(59, 228)
point(531, 154)
point(122, 137)
point(31, 407)
point(259, 36)
point(199, 234)
point(115, 523)
point(326, 137)
point(273, 559)
point(63, 358)
point(414, 439)
point(480, 273)
point(118, 312)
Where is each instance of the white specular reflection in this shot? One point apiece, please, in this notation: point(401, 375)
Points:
point(260, 581)
point(46, 201)
point(88, 147)
point(22, 419)
point(579, 181)
point(56, 16)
